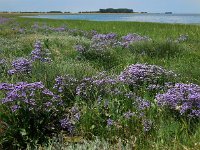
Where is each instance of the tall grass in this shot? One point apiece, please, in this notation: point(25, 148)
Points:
point(103, 123)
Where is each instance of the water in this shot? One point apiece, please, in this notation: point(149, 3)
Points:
point(161, 18)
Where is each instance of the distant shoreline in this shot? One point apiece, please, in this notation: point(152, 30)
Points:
point(1, 13)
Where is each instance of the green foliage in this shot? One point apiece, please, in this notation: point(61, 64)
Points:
point(28, 128)
point(158, 49)
point(112, 10)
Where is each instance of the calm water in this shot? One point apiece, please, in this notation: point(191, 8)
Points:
point(161, 18)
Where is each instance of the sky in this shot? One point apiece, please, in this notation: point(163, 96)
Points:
point(152, 6)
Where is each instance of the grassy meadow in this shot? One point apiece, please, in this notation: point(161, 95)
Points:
point(68, 84)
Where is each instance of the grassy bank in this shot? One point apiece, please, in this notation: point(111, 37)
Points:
point(103, 84)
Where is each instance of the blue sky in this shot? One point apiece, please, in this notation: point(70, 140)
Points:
point(176, 6)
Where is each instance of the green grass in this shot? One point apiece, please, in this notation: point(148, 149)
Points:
point(183, 58)
point(160, 33)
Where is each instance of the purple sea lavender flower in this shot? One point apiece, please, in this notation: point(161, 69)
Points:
point(100, 84)
point(15, 108)
point(11, 72)
point(6, 86)
point(103, 41)
point(110, 122)
point(21, 65)
point(182, 38)
point(184, 98)
point(139, 74)
point(60, 29)
point(30, 101)
point(47, 92)
point(129, 114)
point(35, 26)
point(4, 20)
point(65, 83)
point(99, 99)
point(66, 124)
point(2, 61)
point(75, 113)
point(143, 104)
point(79, 48)
point(39, 53)
point(147, 125)
point(48, 104)
point(19, 91)
point(131, 38)
point(21, 30)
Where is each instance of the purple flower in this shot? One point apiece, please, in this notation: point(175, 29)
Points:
point(6, 86)
point(143, 104)
point(47, 92)
point(2, 61)
point(147, 125)
point(131, 38)
point(101, 42)
point(182, 38)
point(30, 101)
point(140, 74)
point(21, 65)
point(48, 104)
point(4, 20)
point(24, 92)
point(79, 48)
point(65, 84)
point(109, 122)
point(59, 29)
point(101, 84)
point(184, 98)
point(77, 116)
point(15, 108)
point(11, 72)
point(129, 114)
point(35, 26)
point(40, 54)
point(66, 124)
point(21, 30)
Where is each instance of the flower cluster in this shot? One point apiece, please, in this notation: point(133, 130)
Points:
point(64, 82)
point(40, 54)
point(64, 28)
point(66, 124)
point(142, 104)
point(110, 122)
point(2, 61)
point(129, 114)
point(2, 65)
point(147, 125)
point(3, 20)
point(182, 38)
point(80, 48)
point(184, 98)
point(131, 38)
point(22, 92)
point(139, 103)
point(35, 26)
point(140, 74)
point(59, 29)
point(21, 30)
point(97, 85)
point(69, 121)
point(21, 65)
point(25, 95)
point(34, 106)
point(103, 41)
point(66, 86)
